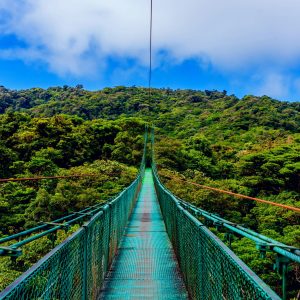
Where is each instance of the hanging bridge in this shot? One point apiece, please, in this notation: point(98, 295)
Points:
point(144, 244)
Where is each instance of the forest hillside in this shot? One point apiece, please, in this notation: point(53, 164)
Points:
point(249, 145)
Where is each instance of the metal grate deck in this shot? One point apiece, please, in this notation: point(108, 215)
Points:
point(145, 266)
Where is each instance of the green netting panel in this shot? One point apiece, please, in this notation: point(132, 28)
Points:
point(210, 269)
point(56, 276)
point(104, 234)
point(77, 267)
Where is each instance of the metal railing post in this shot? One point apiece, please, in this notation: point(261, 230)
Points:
point(85, 263)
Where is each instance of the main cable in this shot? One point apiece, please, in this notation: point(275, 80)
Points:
point(3, 180)
point(284, 206)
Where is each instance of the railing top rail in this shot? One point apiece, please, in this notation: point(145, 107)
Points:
point(68, 271)
point(290, 252)
point(264, 243)
point(75, 217)
point(259, 283)
point(285, 254)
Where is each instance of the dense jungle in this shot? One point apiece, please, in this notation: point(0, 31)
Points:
point(249, 146)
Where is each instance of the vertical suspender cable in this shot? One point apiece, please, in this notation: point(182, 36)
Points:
point(150, 50)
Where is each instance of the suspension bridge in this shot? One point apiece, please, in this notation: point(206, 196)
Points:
point(144, 244)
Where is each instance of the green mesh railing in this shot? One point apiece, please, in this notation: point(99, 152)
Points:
point(209, 268)
point(76, 268)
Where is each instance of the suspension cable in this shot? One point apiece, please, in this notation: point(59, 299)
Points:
point(150, 50)
point(3, 180)
point(288, 207)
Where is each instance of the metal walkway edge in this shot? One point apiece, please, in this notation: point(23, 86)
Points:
point(145, 266)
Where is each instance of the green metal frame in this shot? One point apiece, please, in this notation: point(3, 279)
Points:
point(210, 269)
point(263, 242)
point(70, 219)
point(75, 269)
point(284, 254)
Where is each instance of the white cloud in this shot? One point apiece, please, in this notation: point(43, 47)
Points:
point(274, 85)
point(77, 37)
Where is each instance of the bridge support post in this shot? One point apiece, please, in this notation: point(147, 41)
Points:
point(282, 264)
point(284, 271)
point(85, 263)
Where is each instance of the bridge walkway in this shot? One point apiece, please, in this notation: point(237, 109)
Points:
point(145, 266)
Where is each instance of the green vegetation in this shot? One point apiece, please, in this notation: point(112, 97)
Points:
point(60, 145)
point(250, 146)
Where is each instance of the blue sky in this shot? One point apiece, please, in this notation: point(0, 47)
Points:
point(244, 47)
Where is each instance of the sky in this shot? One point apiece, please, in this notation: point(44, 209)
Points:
point(244, 47)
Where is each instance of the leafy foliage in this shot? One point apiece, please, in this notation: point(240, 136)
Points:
point(249, 145)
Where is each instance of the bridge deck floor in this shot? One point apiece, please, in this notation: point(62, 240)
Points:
point(145, 266)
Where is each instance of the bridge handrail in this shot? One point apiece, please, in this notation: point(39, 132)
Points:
point(250, 284)
point(290, 252)
point(209, 267)
point(12, 250)
point(75, 217)
point(76, 268)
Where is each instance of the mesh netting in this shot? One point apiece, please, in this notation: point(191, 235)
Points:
point(209, 268)
point(76, 268)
